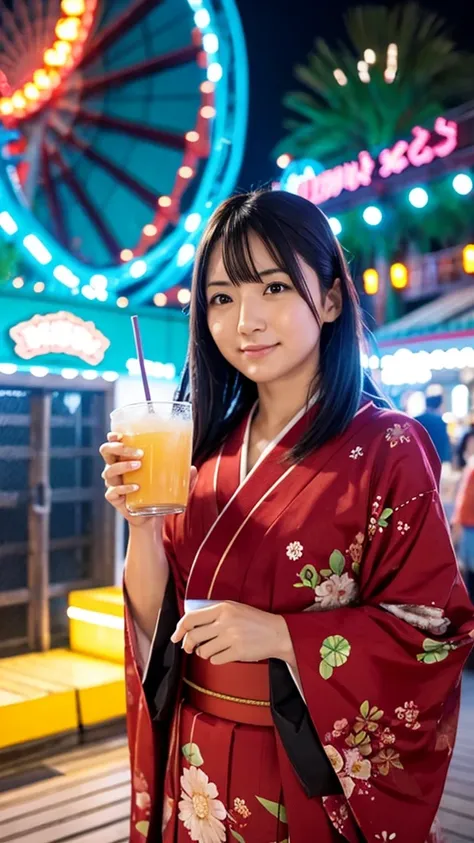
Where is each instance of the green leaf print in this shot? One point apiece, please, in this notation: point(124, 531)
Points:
point(356, 568)
point(274, 808)
point(337, 562)
point(365, 708)
point(325, 670)
point(326, 572)
point(383, 520)
point(434, 651)
point(309, 577)
point(335, 651)
point(192, 754)
point(237, 836)
point(143, 827)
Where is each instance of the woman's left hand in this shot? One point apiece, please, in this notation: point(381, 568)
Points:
point(233, 632)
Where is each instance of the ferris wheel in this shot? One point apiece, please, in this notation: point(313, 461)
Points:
point(123, 126)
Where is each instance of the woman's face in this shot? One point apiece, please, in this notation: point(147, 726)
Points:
point(266, 330)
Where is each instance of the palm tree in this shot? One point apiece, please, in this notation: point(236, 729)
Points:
point(412, 70)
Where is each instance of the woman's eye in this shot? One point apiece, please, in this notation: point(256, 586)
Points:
point(221, 298)
point(276, 288)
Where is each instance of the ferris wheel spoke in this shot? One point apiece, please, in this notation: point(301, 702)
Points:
point(176, 58)
point(136, 130)
point(126, 21)
point(87, 204)
point(54, 204)
point(145, 193)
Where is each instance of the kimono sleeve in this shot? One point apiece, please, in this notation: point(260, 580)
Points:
point(381, 678)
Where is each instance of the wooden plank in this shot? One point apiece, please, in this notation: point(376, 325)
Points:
point(462, 826)
point(56, 785)
point(92, 821)
point(75, 806)
point(117, 833)
point(62, 793)
point(457, 805)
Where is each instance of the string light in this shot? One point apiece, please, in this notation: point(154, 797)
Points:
point(372, 215)
point(370, 57)
point(122, 301)
point(41, 80)
point(150, 230)
point(215, 72)
point(186, 172)
point(468, 259)
point(126, 255)
point(31, 91)
point(208, 111)
point(462, 184)
point(399, 276)
point(371, 282)
point(207, 87)
point(18, 283)
point(184, 296)
point(192, 137)
point(418, 197)
point(164, 201)
point(73, 7)
point(67, 29)
point(160, 299)
point(283, 160)
point(335, 225)
point(340, 76)
point(39, 287)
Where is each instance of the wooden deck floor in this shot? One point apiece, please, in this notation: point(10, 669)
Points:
point(82, 795)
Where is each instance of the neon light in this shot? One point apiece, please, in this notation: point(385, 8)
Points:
point(152, 367)
point(59, 333)
point(351, 175)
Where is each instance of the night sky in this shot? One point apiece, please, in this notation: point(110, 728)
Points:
point(280, 34)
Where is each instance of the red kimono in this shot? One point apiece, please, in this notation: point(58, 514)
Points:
point(351, 547)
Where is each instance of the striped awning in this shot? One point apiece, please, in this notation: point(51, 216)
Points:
point(446, 322)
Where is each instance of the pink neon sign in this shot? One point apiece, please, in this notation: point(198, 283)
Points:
point(392, 161)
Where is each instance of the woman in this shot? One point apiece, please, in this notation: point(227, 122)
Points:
point(319, 625)
point(463, 517)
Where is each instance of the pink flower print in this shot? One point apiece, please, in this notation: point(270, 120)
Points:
point(387, 737)
point(336, 591)
point(340, 728)
point(398, 434)
point(357, 767)
point(356, 453)
point(409, 713)
point(355, 549)
point(402, 528)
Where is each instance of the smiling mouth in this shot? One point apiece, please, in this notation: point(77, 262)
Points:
point(253, 351)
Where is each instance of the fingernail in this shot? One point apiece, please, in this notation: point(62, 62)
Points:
point(135, 464)
point(135, 487)
point(138, 453)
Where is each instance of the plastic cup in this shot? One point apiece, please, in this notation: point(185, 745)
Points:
point(163, 430)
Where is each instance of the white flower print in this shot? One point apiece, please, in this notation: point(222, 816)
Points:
point(336, 591)
point(356, 453)
point(294, 551)
point(168, 806)
point(398, 434)
point(143, 801)
point(409, 713)
point(402, 528)
point(199, 809)
point(385, 836)
point(356, 766)
point(335, 758)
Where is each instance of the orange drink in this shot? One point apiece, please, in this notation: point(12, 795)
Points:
point(164, 432)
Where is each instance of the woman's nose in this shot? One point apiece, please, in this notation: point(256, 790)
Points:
point(251, 317)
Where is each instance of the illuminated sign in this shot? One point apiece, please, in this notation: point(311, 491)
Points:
point(424, 147)
point(59, 333)
point(152, 368)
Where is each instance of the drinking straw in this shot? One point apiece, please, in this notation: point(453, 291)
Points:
point(141, 359)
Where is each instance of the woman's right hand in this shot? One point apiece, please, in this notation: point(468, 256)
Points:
point(119, 459)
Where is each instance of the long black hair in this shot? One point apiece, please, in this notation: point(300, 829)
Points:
point(289, 227)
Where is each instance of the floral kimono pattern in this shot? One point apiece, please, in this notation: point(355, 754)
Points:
point(351, 547)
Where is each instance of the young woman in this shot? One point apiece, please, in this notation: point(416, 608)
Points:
point(317, 619)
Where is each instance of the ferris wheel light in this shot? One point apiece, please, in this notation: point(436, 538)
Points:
point(192, 222)
point(202, 18)
point(54, 59)
point(6, 107)
point(186, 172)
point(67, 29)
point(283, 161)
point(18, 100)
point(98, 282)
point(18, 283)
point(31, 91)
point(7, 223)
point(37, 249)
point(462, 184)
point(160, 299)
point(39, 287)
point(150, 230)
point(207, 87)
point(210, 42)
point(41, 80)
point(126, 255)
point(69, 374)
point(138, 268)
point(62, 48)
point(215, 72)
point(65, 276)
point(208, 111)
point(192, 137)
point(164, 201)
point(122, 301)
point(184, 296)
point(185, 254)
point(335, 225)
point(73, 7)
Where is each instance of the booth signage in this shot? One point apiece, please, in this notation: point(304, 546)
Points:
point(59, 333)
point(422, 149)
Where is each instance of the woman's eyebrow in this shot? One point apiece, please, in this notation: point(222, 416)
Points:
point(273, 271)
